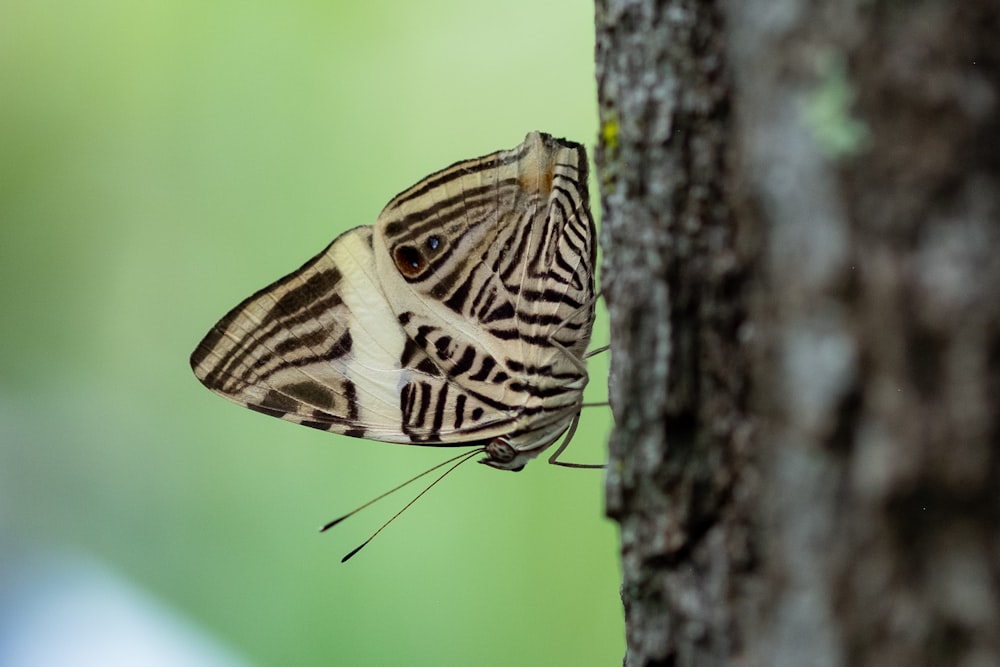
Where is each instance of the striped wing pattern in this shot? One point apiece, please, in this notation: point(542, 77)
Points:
point(461, 317)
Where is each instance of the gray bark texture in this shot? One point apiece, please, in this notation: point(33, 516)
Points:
point(801, 236)
point(674, 282)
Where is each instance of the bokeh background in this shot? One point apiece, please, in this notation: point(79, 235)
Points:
point(161, 160)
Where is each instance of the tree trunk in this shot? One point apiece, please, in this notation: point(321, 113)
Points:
point(829, 260)
point(674, 286)
point(872, 149)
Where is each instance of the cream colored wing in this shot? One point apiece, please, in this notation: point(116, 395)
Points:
point(488, 265)
point(321, 347)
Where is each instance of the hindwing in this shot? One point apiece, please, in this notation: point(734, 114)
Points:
point(490, 272)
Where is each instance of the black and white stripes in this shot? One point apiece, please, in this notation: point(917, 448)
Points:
point(461, 317)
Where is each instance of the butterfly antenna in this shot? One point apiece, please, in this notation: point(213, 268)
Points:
point(374, 500)
point(462, 458)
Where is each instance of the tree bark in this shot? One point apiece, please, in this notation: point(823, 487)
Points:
point(872, 146)
point(673, 280)
point(804, 298)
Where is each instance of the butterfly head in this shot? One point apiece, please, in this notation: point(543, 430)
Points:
point(502, 455)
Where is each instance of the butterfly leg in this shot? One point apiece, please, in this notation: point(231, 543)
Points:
point(596, 351)
point(565, 442)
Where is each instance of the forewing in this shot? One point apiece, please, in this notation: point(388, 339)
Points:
point(322, 347)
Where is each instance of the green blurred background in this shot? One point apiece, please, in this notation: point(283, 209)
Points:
point(160, 161)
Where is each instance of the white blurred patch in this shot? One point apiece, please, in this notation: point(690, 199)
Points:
point(63, 612)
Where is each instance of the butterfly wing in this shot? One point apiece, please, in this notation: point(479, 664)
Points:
point(488, 265)
point(321, 347)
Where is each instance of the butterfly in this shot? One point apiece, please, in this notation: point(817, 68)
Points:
point(460, 318)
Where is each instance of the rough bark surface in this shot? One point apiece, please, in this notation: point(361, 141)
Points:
point(672, 280)
point(871, 135)
point(828, 255)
